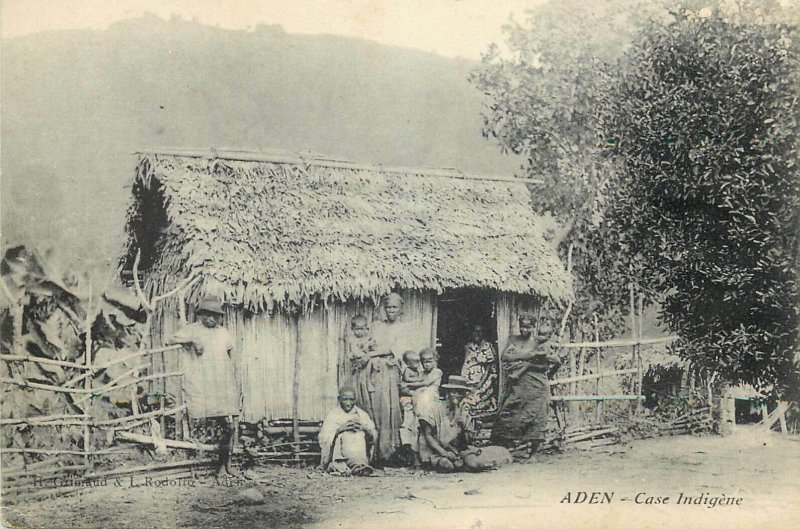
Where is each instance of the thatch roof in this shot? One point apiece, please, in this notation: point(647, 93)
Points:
point(284, 229)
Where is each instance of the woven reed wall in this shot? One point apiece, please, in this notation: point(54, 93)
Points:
point(266, 347)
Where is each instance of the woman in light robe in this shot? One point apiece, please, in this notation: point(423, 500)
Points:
point(345, 437)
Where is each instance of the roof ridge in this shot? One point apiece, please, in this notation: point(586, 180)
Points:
point(285, 156)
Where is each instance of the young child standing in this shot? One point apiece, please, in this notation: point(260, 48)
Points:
point(211, 386)
point(411, 375)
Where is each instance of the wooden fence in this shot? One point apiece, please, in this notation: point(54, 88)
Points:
point(581, 362)
point(146, 369)
point(24, 478)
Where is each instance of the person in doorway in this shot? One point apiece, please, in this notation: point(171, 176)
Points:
point(346, 437)
point(528, 360)
point(211, 385)
point(480, 370)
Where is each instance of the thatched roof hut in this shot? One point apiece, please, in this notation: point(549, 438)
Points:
point(282, 238)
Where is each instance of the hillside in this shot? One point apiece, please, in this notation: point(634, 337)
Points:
point(75, 104)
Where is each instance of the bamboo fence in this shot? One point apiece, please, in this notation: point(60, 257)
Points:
point(149, 368)
point(576, 391)
point(86, 421)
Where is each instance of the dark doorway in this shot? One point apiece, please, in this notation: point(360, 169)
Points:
point(748, 411)
point(457, 312)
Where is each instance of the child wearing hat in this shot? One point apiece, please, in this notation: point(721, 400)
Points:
point(211, 386)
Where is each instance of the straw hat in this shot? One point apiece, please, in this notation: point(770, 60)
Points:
point(456, 382)
point(211, 304)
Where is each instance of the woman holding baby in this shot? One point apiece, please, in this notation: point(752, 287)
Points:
point(528, 361)
point(376, 374)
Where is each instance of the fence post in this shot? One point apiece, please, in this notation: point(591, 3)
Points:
point(639, 373)
point(180, 433)
point(598, 410)
point(632, 312)
point(87, 382)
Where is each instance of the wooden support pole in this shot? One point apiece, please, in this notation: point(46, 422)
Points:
point(783, 407)
point(285, 430)
point(41, 471)
point(36, 385)
point(632, 312)
point(120, 360)
point(573, 373)
point(122, 420)
point(296, 387)
point(569, 398)
point(639, 373)
point(598, 409)
point(46, 419)
point(169, 443)
point(617, 343)
point(594, 376)
point(37, 360)
point(134, 382)
point(87, 382)
point(162, 399)
point(145, 338)
point(591, 434)
point(46, 451)
point(181, 430)
point(17, 314)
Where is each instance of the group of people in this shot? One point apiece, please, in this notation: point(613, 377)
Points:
point(391, 411)
point(394, 409)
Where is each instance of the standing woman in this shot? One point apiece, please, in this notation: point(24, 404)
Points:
point(527, 362)
point(378, 379)
point(480, 370)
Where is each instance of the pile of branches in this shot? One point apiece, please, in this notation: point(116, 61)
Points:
point(273, 441)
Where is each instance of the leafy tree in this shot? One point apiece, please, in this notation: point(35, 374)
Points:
point(542, 101)
point(704, 122)
point(695, 196)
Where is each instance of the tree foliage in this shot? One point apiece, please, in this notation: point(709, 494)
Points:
point(704, 122)
point(666, 138)
point(542, 102)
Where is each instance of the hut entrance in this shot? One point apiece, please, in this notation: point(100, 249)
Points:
point(458, 311)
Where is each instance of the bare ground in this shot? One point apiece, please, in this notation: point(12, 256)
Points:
point(761, 468)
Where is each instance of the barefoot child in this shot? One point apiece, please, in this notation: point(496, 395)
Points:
point(211, 387)
point(411, 374)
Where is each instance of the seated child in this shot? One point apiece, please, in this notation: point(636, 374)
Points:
point(411, 374)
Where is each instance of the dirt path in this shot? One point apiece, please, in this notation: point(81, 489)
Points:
point(762, 470)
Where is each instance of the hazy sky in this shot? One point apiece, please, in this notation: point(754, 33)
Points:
point(453, 28)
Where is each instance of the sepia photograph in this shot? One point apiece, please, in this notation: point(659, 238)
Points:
point(447, 264)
